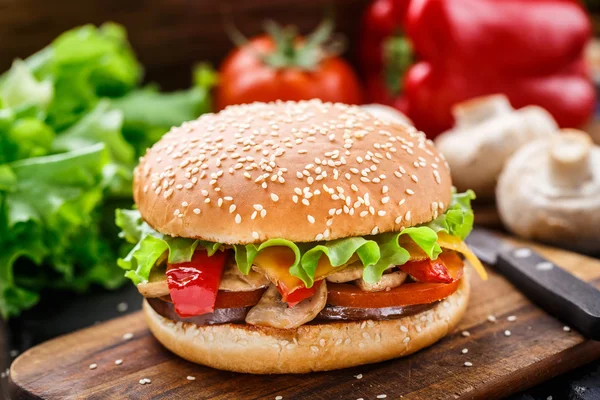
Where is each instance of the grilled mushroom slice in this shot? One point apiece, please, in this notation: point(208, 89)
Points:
point(157, 281)
point(352, 272)
point(487, 132)
point(234, 281)
point(272, 311)
point(550, 191)
point(387, 282)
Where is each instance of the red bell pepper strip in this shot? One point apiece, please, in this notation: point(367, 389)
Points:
point(530, 50)
point(194, 285)
point(428, 271)
point(297, 295)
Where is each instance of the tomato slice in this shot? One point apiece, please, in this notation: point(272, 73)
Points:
point(238, 299)
point(347, 295)
point(193, 285)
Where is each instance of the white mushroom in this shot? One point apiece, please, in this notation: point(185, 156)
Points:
point(487, 132)
point(272, 311)
point(387, 281)
point(550, 191)
point(387, 114)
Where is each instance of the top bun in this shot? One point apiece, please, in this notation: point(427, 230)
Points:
point(303, 171)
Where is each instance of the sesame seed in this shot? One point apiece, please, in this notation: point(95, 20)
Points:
point(359, 376)
point(278, 397)
point(410, 192)
point(238, 219)
point(491, 318)
point(232, 208)
point(93, 366)
point(507, 333)
point(511, 318)
point(191, 378)
point(118, 362)
point(466, 333)
point(398, 219)
point(566, 329)
point(311, 219)
point(274, 197)
point(406, 339)
point(468, 364)
point(128, 336)
point(381, 396)
point(196, 211)
point(465, 351)
point(255, 235)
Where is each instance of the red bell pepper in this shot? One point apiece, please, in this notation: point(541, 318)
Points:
point(530, 50)
point(194, 285)
point(429, 271)
point(298, 294)
point(384, 53)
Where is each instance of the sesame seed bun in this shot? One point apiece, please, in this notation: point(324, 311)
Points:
point(300, 171)
point(319, 347)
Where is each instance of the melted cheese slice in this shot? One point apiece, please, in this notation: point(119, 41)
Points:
point(454, 243)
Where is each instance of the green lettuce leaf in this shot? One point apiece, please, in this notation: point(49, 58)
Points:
point(48, 229)
point(21, 88)
point(376, 252)
point(458, 218)
point(148, 114)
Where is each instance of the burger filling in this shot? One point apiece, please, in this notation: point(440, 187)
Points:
point(282, 284)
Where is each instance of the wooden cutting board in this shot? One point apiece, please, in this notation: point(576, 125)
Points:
point(537, 349)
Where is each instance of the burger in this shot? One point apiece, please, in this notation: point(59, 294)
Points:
point(292, 237)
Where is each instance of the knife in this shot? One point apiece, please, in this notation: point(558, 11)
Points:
point(554, 289)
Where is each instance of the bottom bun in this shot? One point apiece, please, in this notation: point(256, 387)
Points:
point(319, 347)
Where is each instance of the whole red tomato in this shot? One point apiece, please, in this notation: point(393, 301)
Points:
point(268, 68)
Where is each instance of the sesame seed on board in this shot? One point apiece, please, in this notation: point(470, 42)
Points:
point(358, 157)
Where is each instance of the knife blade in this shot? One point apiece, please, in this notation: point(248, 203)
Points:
point(554, 289)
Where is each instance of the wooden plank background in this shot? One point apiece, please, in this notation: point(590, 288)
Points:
point(169, 36)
